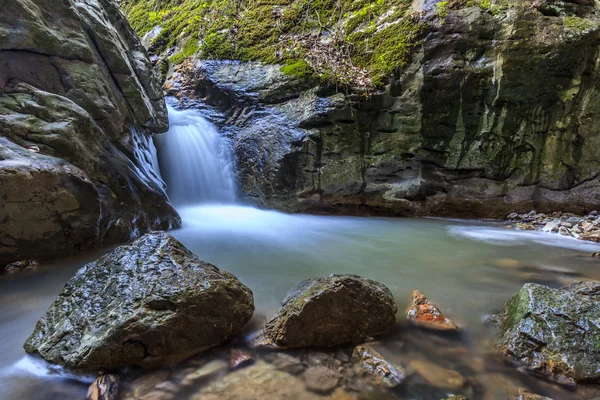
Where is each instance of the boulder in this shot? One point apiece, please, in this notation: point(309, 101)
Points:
point(423, 312)
point(554, 331)
point(331, 311)
point(142, 303)
point(79, 103)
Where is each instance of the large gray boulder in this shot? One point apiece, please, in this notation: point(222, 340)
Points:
point(79, 101)
point(147, 302)
point(555, 332)
point(330, 311)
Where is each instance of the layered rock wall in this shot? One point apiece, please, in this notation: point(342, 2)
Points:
point(497, 111)
point(79, 101)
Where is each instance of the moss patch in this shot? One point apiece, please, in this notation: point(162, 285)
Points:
point(378, 35)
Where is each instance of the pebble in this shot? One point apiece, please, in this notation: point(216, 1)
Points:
point(321, 379)
point(437, 376)
point(210, 369)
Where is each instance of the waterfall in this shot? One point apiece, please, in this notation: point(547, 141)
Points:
point(196, 162)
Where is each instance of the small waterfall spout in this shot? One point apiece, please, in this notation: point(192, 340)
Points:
point(195, 161)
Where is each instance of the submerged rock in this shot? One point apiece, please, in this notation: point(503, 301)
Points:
point(146, 302)
point(261, 381)
point(424, 313)
point(105, 387)
point(554, 331)
point(372, 363)
point(321, 379)
point(438, 376)
point(330, 311)
point(240, 358)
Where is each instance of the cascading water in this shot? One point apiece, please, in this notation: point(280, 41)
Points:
point(195, 161)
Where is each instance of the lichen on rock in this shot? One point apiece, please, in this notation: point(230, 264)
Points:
point(149, 302)
point(554, 332)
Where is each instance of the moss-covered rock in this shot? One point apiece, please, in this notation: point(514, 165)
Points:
point(79, 101)
point(143, 303)
point(555, 332)
point(331, 311)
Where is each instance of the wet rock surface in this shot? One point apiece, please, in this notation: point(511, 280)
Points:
point(329, 311)
point(554, 332)
point(79, 101)
point(152, 301)
point(396, 153)
point(424, 313)
point(373, 363)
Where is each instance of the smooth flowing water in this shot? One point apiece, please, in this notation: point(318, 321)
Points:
point(468, 268)
point(195, 160)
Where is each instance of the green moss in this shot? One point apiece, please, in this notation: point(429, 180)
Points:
point(379, 34)
point(298, 68)
point(190, 48)
point(574, 23)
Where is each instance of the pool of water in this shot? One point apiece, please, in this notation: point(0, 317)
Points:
point(468, 268)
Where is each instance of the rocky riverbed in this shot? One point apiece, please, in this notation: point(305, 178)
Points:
point(334, 337)
point(583, 227)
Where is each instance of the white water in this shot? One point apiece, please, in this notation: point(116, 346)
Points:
point(196, 161)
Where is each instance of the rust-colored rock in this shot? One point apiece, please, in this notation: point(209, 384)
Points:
point(424, 313)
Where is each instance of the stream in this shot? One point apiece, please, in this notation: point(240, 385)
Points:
point(469, 269)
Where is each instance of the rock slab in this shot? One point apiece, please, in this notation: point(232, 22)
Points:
point(330, 311)
point(146, 302)
point(554, 332)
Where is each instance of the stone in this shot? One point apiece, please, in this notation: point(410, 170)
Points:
point(373, 364)
point(240, 358)
point(550, 227)
point(286, 362)
point(553, 331)
point(331, 311)
point(524, 395)
point(151, 301)
point(437, 376)
point(321, 379)
point(21, 266)
point(105, 387)
point(208, 370)
point(79, 103)
point(258, 381)
point(424, 313)
point(526, 227)
point(591, 236)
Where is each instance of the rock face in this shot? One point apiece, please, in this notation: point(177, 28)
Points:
point(330, 311)
point(141, 303)
point(467, 128)
point(554, 331)
point(79, 101)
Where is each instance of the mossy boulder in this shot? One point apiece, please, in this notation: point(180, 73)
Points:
point(330, 311)
point(143, 303)
point(79, 102)
point(554, 332)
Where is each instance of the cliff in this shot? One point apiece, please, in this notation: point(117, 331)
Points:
point(79, 101)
